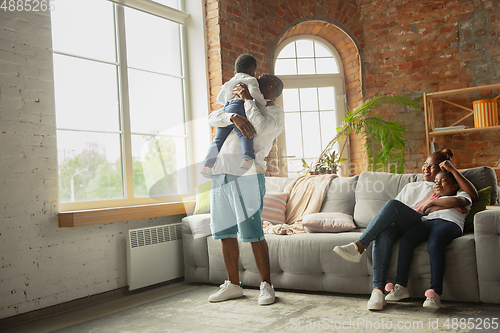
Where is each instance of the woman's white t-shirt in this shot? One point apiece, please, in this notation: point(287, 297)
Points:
point(414, 193)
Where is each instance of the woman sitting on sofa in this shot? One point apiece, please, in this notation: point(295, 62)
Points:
point(398, 216)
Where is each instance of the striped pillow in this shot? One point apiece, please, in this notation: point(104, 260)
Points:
point(328, 222)
point(274, 207)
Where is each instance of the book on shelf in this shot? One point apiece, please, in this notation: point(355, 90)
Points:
point(493, 207)
point(449, 128)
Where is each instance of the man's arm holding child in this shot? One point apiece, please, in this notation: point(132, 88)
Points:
point(219, 118)
point(262, 123)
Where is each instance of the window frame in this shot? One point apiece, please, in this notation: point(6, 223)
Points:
point(311, 81)
point(193, 108)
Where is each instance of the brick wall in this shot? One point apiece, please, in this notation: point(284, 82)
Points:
point(406, 48)
point(257, 26)
point(414, 47)
point(40, 264)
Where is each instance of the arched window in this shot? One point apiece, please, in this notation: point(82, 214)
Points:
point(306, 56)
point(313, 98)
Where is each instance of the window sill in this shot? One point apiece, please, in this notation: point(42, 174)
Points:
point(120, 214)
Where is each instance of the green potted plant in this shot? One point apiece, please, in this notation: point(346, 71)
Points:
point(329, 162)
point(384, 140)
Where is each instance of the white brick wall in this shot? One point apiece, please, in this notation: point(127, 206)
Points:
point(40, 264)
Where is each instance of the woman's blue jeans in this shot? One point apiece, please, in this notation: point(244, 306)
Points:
point(392, 221)
point(440, 233)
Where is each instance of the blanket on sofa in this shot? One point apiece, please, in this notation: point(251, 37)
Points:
point(305, 196)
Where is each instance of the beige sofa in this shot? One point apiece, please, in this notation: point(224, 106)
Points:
point(307, 262)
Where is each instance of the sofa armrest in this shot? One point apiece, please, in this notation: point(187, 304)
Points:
point(195, 253)
point(487, 236)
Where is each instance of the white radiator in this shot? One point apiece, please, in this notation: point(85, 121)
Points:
point(154, 255)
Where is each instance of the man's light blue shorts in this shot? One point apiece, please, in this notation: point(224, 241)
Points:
point(236, 206)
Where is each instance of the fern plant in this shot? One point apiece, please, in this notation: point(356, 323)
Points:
point(384, 140)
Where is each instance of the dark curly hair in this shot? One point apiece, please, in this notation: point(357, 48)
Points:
point(443, 155)
point(449, 174)
point(245, 63)
point(279, 84)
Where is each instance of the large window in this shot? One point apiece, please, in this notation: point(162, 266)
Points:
point(313, 98)
point(120, 97)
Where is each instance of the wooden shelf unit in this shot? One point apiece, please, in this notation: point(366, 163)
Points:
point(430, 120)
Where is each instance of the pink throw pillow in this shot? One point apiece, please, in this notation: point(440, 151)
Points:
point(274, 207)
point(328, 222)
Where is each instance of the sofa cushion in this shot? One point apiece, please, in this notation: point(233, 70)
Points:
point(276, 184)
point(328, 222)
point(480, 204)
point(340, 196)
point(274, 208)
point(483, 177)
point(202, 198)
point(373, 190)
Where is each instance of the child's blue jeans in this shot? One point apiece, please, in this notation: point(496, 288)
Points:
point(233, 106)
point(440, 233)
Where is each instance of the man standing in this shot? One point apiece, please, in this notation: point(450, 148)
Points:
point(236, 196)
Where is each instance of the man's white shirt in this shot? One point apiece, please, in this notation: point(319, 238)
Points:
point(268, 121)
point(226, 92)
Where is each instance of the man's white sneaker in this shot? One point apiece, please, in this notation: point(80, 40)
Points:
point(397, 293)
point(206, 172)
point(433, 300)
point(348, 252)
point(377, 300)
point(227, 291)
point(266, 296)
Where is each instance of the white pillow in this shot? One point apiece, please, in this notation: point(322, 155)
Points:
point(200, 225)
point(328, 222)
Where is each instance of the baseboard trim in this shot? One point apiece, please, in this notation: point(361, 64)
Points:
point(76, 304)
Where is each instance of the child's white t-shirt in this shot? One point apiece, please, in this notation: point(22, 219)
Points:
point(226, 92)
point(451, 214)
